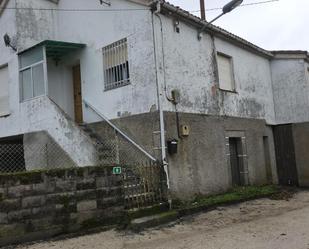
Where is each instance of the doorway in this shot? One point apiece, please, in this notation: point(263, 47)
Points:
point(285, 155)
point(236, 161)
point(267, 160)
point(78, 102)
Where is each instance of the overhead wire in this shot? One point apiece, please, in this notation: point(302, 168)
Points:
point(120, 10)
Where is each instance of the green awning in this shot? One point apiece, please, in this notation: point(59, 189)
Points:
point(57, 49)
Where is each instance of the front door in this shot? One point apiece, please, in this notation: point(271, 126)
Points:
point(236, 160)
point(285, 155)
point(78, 103)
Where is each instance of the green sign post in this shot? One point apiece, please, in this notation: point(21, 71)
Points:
point(117, 170)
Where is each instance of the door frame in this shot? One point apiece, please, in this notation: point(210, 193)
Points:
point(78, 114)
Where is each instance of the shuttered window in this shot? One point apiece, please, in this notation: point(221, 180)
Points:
point(116, 65)
point(4, 91)
point(226, 74)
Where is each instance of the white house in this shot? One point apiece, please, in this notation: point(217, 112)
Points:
point(140, 65)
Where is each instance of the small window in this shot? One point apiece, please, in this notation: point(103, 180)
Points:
point(116, 65)
point(4, 91)
point(226, 75)
point(32, 74)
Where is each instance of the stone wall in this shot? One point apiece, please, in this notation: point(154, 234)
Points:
point(36, 205)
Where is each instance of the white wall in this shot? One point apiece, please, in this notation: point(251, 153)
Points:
point(190, 67)
point(253, 83)
point(291, 90)
point(35, 25)
point(60, 84)
point(4, 91)
point(98, 29)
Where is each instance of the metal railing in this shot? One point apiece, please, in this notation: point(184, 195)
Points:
point(124, 135)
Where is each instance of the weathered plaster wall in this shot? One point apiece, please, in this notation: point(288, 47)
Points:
point(41, 114)
point(37, 24)
point(201, 164)
point(60, 83)
point(106, 28)
point(190, 67)
point(290, 90)
point(252, 74)
point(187, 65)
point(7, 55)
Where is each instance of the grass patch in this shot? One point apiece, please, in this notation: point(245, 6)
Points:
point(234, 195)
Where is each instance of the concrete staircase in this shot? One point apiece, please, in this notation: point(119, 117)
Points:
point(107, 148)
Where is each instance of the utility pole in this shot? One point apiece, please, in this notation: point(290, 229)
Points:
point(203, 12)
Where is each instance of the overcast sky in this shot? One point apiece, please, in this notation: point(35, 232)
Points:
point(274, 26)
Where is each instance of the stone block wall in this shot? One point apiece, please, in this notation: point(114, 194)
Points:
point(37, 205)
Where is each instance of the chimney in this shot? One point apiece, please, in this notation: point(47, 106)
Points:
point(203, 12)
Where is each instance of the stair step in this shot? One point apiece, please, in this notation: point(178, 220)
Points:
point(105, 149)
point(88, 130)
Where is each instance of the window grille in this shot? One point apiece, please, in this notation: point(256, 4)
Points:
point(116, 65)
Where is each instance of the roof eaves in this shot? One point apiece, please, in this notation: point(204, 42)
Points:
point(168, 8)
point(291, 54)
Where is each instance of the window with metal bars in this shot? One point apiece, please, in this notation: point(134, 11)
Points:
point(116, 65)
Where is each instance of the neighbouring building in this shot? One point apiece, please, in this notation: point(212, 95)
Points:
point(137, 66)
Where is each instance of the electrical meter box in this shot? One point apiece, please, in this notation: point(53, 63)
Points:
point(184, 130)
point(172, 146)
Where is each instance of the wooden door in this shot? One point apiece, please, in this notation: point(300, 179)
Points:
point(78, 102)
point(285, 155)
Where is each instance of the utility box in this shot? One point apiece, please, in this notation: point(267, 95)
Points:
point(184, 130)
point(175, 96)
point(172, 146)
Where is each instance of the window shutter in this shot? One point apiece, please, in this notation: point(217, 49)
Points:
point(225, 69)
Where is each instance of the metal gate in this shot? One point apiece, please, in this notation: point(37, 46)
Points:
point(144, 185)
point(285, 155)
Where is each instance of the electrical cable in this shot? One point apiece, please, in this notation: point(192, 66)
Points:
point(120, 10)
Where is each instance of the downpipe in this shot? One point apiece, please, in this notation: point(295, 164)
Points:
point(159, 99)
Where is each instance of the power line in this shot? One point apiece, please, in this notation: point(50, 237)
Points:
point(120, 10)
point(243, 5)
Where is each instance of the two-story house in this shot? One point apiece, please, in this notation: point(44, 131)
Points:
point(138, 66)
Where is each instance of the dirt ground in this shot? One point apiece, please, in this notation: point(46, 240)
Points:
point(255, 224)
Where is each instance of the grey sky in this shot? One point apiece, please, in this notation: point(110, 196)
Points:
point(274, 26)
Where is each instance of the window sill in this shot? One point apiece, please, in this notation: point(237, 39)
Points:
point(228, 91)
point(5, 115)
point(122, 84)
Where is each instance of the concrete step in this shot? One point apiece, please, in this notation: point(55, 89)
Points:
point(153, 220)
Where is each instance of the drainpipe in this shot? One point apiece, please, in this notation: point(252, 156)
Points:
point(159, 97)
